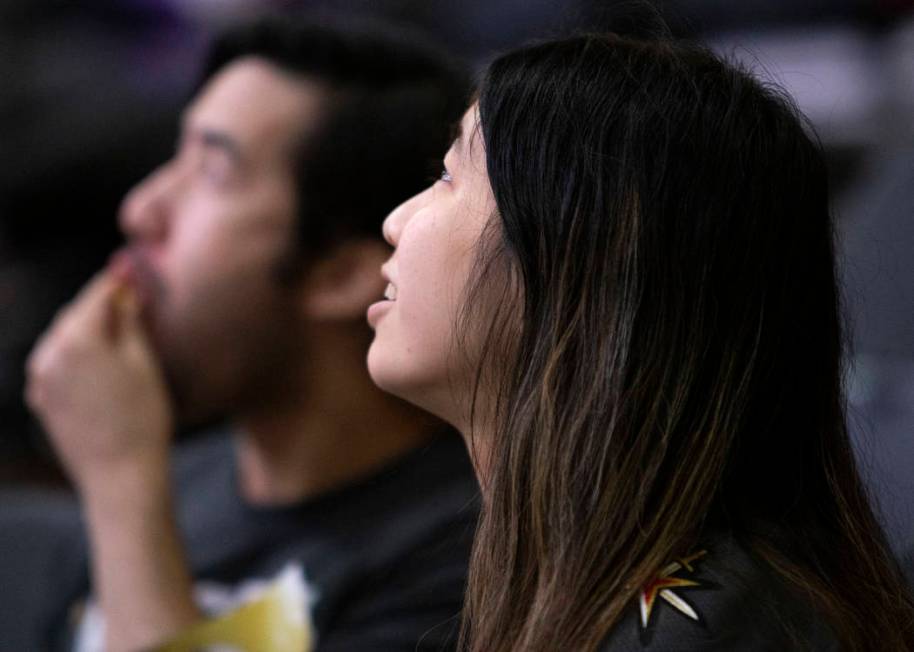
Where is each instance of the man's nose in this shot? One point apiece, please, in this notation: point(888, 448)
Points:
point(145, 213)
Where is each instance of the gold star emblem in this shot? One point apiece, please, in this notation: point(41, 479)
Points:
point(662, 586)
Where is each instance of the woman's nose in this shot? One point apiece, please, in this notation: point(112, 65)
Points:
point(399, 217)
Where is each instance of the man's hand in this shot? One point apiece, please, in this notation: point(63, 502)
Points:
point(95, 383)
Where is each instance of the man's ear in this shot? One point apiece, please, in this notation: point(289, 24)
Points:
point(341, 285)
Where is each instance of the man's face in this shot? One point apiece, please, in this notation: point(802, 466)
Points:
point(207, 232)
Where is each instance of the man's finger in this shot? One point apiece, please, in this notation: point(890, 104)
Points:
point(127, 309)
point(91, 311)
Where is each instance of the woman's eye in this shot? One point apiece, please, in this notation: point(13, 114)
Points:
point(445, 175)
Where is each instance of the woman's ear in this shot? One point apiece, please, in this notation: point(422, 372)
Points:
point(342, 284)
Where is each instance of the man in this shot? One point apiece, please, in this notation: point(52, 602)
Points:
point(335, 518)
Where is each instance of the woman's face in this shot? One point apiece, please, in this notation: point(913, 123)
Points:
point(436, 236)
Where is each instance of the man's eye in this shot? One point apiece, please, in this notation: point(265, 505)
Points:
point(216, 169)
point(445, 175)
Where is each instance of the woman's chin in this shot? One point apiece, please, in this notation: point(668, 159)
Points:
point(390, 375)
point(386, 373)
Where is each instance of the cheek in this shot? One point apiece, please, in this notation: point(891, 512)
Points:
point(198, 257)
point(413, 342)
point(225, 242)
point(433, 261)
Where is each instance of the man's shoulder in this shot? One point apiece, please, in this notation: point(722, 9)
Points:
point(403, 568)
point(386, 555)
point(425, 498)
point(203, 476)
point(43, 565)
point(436, 477)
point(429, 494)
point(199, 457)
point(718, 598)
point(43, 525)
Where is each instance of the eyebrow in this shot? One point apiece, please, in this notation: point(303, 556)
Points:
point(457, 135)
point(211, 138)
point(219, 140)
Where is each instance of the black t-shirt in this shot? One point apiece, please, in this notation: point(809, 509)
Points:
point(384, 559)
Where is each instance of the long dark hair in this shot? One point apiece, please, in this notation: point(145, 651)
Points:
point(676, 366)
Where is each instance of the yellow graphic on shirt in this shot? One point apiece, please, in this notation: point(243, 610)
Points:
point(275, 621)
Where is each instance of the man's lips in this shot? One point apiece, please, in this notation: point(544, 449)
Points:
point(133, 267)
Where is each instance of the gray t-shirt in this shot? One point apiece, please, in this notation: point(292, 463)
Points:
point(383, 560)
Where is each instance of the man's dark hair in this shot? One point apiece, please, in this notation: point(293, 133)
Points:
point(389, 103)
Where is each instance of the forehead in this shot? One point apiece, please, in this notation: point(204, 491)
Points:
point(256, 103)
point(469, 122)
point(468, 146)
point(467, 152)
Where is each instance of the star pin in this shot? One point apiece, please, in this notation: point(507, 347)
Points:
point(662, 586)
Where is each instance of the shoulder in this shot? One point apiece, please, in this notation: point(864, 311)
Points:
point(44, 527)
point(718, 598)
point(43, 566)
point(400, 574)
point(428, 499)
point(195, 459)
point(204, 482)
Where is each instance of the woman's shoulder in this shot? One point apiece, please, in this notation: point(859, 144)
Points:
point(720, 597)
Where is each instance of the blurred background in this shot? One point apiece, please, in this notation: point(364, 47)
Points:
point(90, 94)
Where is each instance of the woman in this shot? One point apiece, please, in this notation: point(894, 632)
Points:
point(622, 291)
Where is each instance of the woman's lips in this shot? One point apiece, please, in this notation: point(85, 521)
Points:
point(377, 310)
